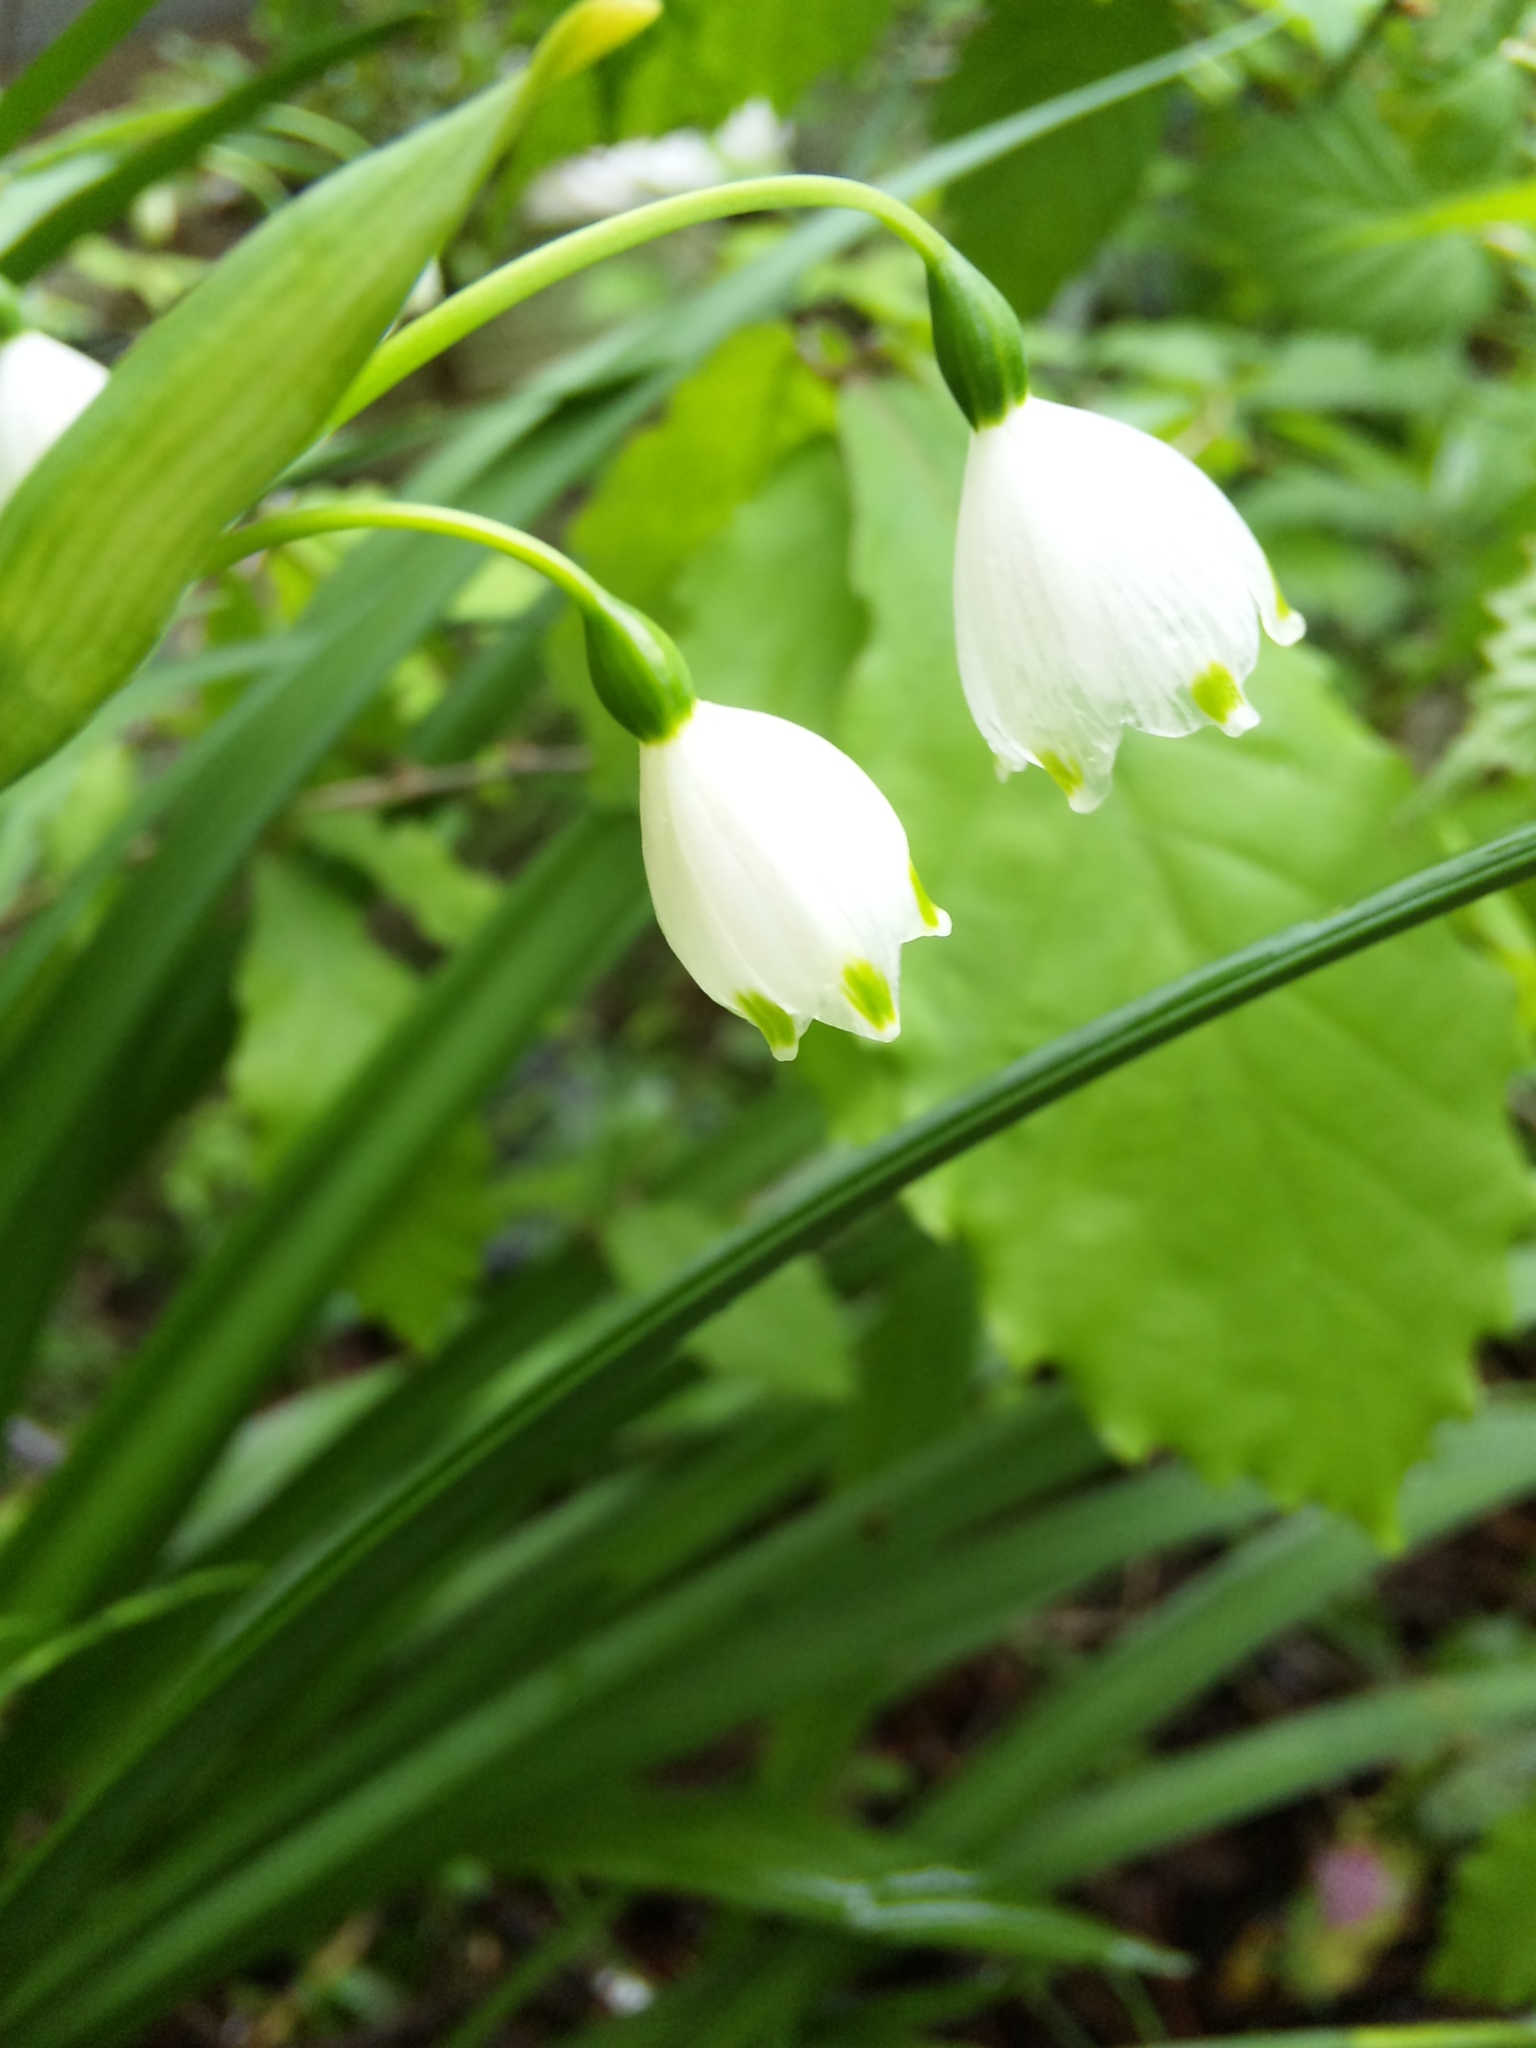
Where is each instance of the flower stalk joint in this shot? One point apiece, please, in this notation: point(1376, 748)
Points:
point(638, 674)
point(976, 339)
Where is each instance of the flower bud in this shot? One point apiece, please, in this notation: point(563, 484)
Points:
point(637, 672)
point(976, 339)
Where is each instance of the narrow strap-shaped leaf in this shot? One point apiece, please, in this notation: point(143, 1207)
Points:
point(219, 801)
point(1268, 1583)
point(71, 57)
point(103, 201)
point(1245, 1774)
point(133, 1470)
point(813, 1868)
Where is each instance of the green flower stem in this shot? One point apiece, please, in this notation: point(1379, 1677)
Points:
point(514, 282)
point(640, 678)
point(344, 514)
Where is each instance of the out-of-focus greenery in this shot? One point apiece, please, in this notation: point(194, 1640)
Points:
point(407, 1615)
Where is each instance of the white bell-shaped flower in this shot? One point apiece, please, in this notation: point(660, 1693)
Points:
point(1101, 581)
point(44, 388)
point(780, 874)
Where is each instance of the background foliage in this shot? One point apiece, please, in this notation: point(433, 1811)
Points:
point(410, 1647)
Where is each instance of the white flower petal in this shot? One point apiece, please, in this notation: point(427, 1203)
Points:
point(44, 388)
point(780, 874)
point(1101, 581)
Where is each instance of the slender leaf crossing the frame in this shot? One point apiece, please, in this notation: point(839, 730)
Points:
point(69, 59)
point(104, 201)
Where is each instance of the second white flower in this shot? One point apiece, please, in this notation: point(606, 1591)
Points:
point(1101, 581)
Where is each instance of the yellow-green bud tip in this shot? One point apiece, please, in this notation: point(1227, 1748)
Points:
point(585, 34)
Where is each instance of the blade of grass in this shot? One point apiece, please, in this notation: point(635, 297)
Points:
point(69, 59)
point(135, 1467)
point(1226, 1781)
point(104, 201)
point(1276, 1579)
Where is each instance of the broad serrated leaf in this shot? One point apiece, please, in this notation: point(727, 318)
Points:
point(1270, 1246)
point(1034, 220)
point(1303, 207)
point(1488, 1950)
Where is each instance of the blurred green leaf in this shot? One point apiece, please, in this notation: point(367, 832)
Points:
point(68, 59)
point(1488, 1949)
point(232, 384)
point(1300, 206)
point(1035, 220)
point(786, 1335)
point(768, 618)
point(413, 866)
point(678, 482)
point(751, 1854)
point(317, 995)
point(102, 202)
point(1305, 1211)
point(316, 992)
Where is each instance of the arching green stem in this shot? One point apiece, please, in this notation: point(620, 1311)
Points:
point(514, 282)
point(306, 521)
point(638, 674)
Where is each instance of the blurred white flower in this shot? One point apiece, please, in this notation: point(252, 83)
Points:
point(751, 143)
point(44, 388)
point(1101, 581)
point(428, 291)
point(780, 874)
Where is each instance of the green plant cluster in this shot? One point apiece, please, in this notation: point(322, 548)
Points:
point(475, 1421)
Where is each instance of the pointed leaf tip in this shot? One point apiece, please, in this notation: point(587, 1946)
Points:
point(587, 33)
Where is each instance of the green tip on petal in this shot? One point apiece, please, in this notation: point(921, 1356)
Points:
point(870, 994)
point(1216, 693)
point(927, 909)
point(1066, 775)
point(776, 1025)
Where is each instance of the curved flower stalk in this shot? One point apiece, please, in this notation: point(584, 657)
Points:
point(1102, 582)
point(780, 874)
point(44, 388)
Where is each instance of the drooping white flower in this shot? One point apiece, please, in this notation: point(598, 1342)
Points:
point(780, 874)
point(1101, 581)
point(44, 388)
